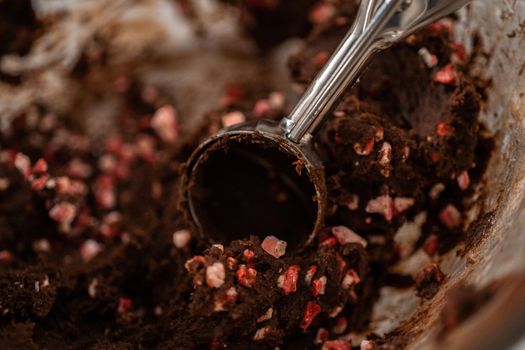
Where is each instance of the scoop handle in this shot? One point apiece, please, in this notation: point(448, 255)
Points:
point(379, 24)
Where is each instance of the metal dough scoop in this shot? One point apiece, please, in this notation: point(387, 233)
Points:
point(264, 177)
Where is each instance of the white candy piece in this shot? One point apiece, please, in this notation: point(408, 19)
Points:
point(215, 275)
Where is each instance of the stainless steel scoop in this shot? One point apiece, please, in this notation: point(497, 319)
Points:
point(263, 177)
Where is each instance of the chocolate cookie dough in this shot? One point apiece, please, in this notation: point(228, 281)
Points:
point(97, 250)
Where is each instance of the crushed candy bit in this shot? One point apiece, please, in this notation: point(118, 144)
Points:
point(45, 284)
point(310, 274)
point(219, 247)
point(248, 254)
point(104, 189)
point(215, 275)
point(366, 345)
point(276, 100)
point(23, 164)
point(319, 286)
point(340, 325)
point(231, 294)
point(90, 249)
point(341, 263)
point(41, 246)
point(450, 217)
point(329, 242)
point(311, 311)
point(261, 108)
point(92, 288)
point(246, 276)
point(194, 263)
point(443, 129)
point(353, 202)
point(145, 147)
point(287, 281)
point(436, 190)
point(337, 345)
point(444, 25)
point(267, 315)
point(402, 204)
point(322, 336)
point(261, 333)
point(229, 297)
point(63, 213)
point(367, 149)
point(381, 205)
point(107, 163)
point(78, 168)
point(231, 262)
point(447, 75)
point(431, 245)
point(233, 118)
point(39, 183)
point(164, 122)
point(40, 167)
point(380, 134)
point(335, 311)
point(430, 59)
point(109, 226)
point(345, 235)
point(274, 246)
point(463, 180)
point(350, 279)
point(181, 238)
point(321, 13)
point(124, 305)
point(384, 158)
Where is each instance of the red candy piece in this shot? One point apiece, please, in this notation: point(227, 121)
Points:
point(124, 305)
point(288, 280)
point(40, 166)
point(450, 216)
point(345, 235)
point(311, 311)
point(340, 325)
point(321, 12)
point(40, 183)
point(447, 75)
point(337, 345)
point(329, 242)
point(319, 286)
point(367, 149)
point(443, 129)
point(431, 245)
point(350, 279)
point(310, 274)
point(248, 254)
point(246, 276)
point(231, 262)
point(463, 180)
